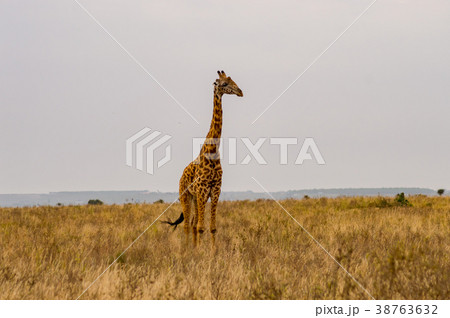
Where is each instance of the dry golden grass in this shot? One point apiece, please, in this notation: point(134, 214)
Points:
point(394, 252)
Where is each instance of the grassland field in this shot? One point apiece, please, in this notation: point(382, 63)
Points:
point(394, 251)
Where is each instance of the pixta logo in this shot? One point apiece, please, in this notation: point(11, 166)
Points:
point(146, 139)
point(251, 151)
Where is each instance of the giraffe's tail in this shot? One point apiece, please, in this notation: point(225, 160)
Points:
point(175, 224)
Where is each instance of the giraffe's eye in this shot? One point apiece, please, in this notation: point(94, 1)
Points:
point(224, 84)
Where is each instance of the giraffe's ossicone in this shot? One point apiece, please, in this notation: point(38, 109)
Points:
point(202, 178)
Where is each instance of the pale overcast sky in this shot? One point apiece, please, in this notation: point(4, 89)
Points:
point(376, 103)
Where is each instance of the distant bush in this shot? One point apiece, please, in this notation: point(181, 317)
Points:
point(306, 197)
point(159, 201)
point(401, 200)
point(440, 191)
point(383, 202)
point(95, 202)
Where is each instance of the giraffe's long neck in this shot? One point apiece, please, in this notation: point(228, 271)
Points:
point(215, 130)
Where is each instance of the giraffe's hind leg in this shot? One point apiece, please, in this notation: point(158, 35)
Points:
point(202, 197)
point(185, 200)
point(194, 220)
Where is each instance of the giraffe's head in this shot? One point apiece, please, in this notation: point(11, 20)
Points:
point(225, 85)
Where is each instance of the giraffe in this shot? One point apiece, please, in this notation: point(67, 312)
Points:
point(202, 178)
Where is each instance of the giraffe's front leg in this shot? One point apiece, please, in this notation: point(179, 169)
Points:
point(215, 193)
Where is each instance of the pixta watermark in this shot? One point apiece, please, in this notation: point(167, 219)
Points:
point(147, 140)
point(141, 148)
point(306, 149)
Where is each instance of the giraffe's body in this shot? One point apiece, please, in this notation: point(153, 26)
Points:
point(202, 178)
